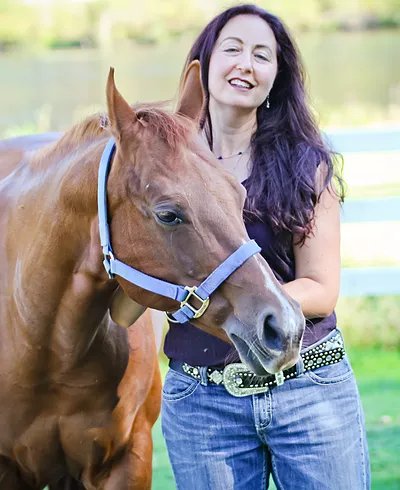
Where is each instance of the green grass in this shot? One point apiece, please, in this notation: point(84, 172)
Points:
point(162, 473)
point(378, 375)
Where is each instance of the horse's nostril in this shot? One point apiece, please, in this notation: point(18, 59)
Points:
point(272, 335)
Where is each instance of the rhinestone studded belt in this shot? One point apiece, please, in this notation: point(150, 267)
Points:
point(240, 381)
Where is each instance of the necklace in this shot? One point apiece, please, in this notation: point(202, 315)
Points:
point(239, 167)
point(233, 155)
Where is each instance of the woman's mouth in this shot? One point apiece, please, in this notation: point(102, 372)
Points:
point(241, 84)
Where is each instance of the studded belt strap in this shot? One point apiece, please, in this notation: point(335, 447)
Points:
point(240, 381)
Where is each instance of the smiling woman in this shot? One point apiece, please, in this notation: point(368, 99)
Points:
point(303, 425)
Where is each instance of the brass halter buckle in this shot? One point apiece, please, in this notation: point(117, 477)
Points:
point(197, 311)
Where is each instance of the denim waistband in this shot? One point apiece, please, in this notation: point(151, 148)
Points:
point(240, 381)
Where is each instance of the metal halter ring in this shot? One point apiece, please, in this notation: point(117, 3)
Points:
point(197, 311)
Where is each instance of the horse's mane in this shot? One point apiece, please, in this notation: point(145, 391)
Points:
point(171, 127)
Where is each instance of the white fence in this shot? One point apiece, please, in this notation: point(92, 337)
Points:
point(362, 281)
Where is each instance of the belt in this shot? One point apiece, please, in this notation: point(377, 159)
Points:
point(238, 380)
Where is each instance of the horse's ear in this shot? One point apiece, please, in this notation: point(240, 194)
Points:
point(191, 93)
point(122, 116)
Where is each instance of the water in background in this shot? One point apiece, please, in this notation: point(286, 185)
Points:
point(354, 80)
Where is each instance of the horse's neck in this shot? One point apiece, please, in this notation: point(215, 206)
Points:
point(61, 294)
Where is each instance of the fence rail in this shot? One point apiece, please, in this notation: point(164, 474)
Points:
point(371, 281)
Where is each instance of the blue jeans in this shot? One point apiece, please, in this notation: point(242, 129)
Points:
point(308, 433)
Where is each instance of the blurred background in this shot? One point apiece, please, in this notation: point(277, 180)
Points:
point(54, 60)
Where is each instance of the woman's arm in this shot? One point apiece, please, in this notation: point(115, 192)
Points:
point(124, 310)
point(316, 286)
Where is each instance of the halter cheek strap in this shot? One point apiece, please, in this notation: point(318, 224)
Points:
point(193, 300)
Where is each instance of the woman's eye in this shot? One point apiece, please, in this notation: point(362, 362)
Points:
point(261, 57)
point(168, 218)
point(231, 50)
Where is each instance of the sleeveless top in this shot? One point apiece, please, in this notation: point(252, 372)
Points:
point(187, 343)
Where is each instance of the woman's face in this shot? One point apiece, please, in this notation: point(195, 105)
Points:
point(243, 63)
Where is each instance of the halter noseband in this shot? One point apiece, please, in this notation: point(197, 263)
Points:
point(183, 294)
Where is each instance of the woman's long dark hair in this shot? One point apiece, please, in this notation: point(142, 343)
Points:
point(287, 147)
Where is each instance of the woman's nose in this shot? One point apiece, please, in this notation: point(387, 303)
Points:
point(245, 63)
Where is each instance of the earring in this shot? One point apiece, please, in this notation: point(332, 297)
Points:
point(267, 102)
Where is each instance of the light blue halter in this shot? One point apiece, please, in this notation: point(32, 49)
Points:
point(200, 294)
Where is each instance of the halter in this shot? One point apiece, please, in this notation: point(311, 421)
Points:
point(184, 294)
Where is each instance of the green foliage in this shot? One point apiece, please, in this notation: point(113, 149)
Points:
point(17, 24)
point(99, 22)
point(370, 321)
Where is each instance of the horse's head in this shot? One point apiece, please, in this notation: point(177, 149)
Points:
point(176, 214)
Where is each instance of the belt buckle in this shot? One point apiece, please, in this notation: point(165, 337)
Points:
point(233, 377)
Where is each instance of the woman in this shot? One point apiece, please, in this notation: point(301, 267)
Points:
point(307, 432)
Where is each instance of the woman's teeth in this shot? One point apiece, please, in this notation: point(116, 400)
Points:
point(240, 83)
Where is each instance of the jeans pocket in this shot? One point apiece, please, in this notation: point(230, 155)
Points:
point(333, 373)
point(178, 386)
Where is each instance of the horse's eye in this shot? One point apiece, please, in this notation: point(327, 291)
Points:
point(168, 218)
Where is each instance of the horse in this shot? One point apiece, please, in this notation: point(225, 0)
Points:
point(78, 393)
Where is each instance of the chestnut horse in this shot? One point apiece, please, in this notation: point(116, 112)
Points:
point(79, 394)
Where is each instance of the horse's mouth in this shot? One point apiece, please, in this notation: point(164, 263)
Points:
point(248, 356)
point(258, 360)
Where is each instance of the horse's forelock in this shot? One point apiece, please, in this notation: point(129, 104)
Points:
point(172, 128)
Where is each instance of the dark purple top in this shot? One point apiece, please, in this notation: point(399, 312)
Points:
point(185, 342)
